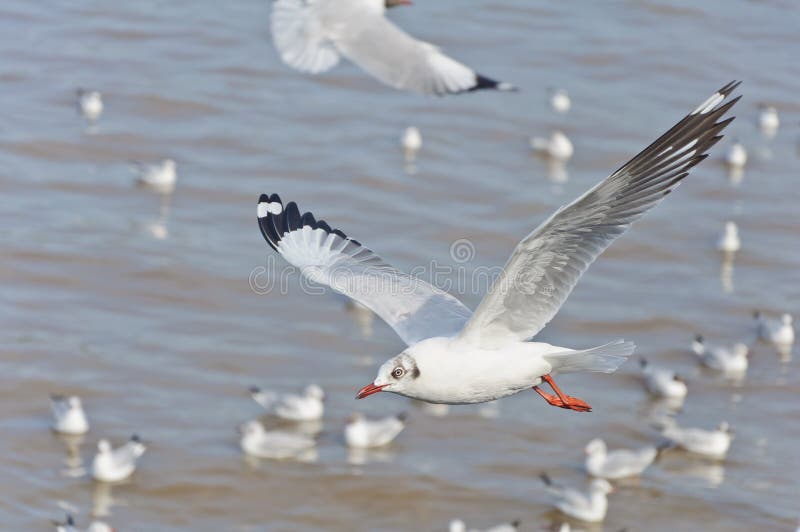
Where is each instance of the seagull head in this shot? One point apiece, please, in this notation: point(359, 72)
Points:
point(601, 485)
point(313, 391)
point(103, 447)
point(398, 375)
point(74, 402)
point(596, 446)
point(251, 429)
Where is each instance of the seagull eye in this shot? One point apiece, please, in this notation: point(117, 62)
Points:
point(398, 372)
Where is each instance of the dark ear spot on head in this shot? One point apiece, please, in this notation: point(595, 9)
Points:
point(415, 372)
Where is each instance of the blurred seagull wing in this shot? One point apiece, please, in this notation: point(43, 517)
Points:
point(299, 36)
point(416, 310)
point(547, 264)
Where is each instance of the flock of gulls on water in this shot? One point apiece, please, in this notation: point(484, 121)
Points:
point(455, 355)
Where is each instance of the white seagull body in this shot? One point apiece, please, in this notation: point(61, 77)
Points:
point(737, 155)
point(708, 443)
point(159, 177)
point(662, 382)
point(90, 104)
point(275, 444)
point(768, 120)
point(411, 142)
point(114, 465)
point(590, 507)
point(559, 101)
point(558, 147)
point(619, 463)
point(364, 433)
point(775, 331)
point(728, 241)
point(308, 406)
point(312, 35)
point(68, 415)
point(457, 525)
point(455, 356)
point(727, 359)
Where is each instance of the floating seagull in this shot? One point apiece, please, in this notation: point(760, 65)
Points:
point(160, 177)
point(723, 358)
point(737, 155)
point(619, 463)
point(69, 416)
point(662, 382)
point(728, 241)
point(768, 120)
point(275, 444)
point(308, 406)
point(412, 142)
point(68, 525)
point(558, 147)
point(778, 332)
point(113, 465)
point(364, 433)
point(590, 507)
point(457, 357)
point(457, 525)
point(312, 36)
point(708, 443)
point(90, 104)
point(559, 100)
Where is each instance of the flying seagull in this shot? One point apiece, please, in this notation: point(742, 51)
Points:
point(455, 356)
point(312, 35)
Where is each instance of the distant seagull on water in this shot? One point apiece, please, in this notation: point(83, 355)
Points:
point(559, 100)
point(456, 356)
point(768, 120)
point(68, 525)
point(306, 406)
point(114, 465)
point(728, 359)
point(778, 331)
point(90, 104)
point(558, 147)
point(737, 155)
point(160, 177)
point(276, 444)
point(313, 36)
point(364, 433)
point(68, 414)
point(662, 382)
point(590, 507)
point(411, 142)
point(619, 463)
point(728, 241)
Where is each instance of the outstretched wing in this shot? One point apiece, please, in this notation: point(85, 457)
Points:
point(547, 264)
point(415, 309)
point(403, 62)
point(300, 38)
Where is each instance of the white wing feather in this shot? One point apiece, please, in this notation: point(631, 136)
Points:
point(300, 38)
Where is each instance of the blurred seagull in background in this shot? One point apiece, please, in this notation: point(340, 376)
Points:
point(313, 36)
point(90, 104)
point(308, 406)
point(620, 463)
point(736, 157)
point(590, 507)
point(159, 177)
point(69, 416)
point(114, 465)
point(68, 525)
point(559, 100)
point(731, 359)
point(558, 147)
point(775, 331)
point(768, 120)
point(457, 525)
point(662, 382)
point(456, 356)
point(728, 241)
point(709, 443)
point(364, 433)
point(276, 444)
point(411, 142)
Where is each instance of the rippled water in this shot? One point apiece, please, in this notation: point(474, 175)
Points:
point(162, 337)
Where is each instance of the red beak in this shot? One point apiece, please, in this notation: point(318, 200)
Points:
point(368, 390)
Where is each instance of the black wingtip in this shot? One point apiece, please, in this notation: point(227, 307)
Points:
point(546, 479)
point(402, 416)
point(484, 83)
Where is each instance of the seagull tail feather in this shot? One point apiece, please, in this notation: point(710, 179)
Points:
point(605, 358)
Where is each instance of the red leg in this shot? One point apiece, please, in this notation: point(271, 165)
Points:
point(562, 400)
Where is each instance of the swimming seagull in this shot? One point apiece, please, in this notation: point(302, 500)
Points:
point(590, 507)
point(68, 415)
point(90, 104)
point(768, 120)
point(662, 382)
point(363, 433)
point(457, 525)
point(709, 443)
point(160, 177)
point(727, 359)
point(308, 406)
point(619, 463)
point(728, 241)
point(276, 444)
point(559, 100)
point(311, 36)
point(775, 331)
point(113, 465)
point(558, 147)
point(411, 142)
point(737, 155)
point(68, 525)
point(457, 357)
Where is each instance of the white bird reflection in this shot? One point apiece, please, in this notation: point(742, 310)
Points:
point(73, 460)
point(712, 473)
point(735, 175)
point(103, 499)
point(360, 456)
point(726, 272)
point(158, 227)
